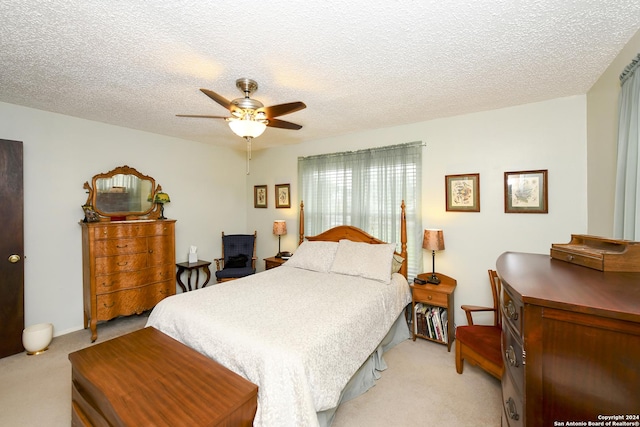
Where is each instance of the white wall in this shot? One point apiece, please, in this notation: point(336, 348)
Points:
point(547, 135)
point(206, 185)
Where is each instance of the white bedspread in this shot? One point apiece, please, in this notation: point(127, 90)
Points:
point(298, 334)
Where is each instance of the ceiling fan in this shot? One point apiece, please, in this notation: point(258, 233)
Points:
point(249, 117)
point(251, 110)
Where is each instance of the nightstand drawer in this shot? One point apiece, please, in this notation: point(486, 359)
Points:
point(429, 296)
point(273, 262)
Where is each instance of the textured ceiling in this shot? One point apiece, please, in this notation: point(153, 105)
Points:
point(357, 65)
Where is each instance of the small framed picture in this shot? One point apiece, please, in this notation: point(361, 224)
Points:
point(282, 196)
point(90, 215)
point(259, 196)
point(526, 192)
point(463, 192)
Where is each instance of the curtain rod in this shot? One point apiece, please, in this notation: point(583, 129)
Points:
point(383, 148)
point(630, 69)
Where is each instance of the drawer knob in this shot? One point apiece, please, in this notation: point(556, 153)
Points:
point(510, 354)
point(430, 297)
point(122, 264)
point(570, 258)
point(511, 311)
point(511, 409)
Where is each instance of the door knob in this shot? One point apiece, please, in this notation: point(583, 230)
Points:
point(14, 258)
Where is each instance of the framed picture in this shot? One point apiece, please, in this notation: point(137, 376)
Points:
point(259, 196)
point(282, 196)
point(463, 192)
point(90, 215)
point(526, 192)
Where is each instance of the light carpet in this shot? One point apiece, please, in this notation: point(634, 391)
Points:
point(420, 386)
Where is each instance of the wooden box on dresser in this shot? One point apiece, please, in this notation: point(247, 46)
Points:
point(127, 267)
point(570, 341)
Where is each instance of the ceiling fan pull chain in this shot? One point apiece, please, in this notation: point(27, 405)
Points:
point(248, 138)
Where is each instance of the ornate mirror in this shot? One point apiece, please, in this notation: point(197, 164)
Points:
point(123, 193)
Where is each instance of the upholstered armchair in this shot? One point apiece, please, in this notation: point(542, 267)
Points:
point(238, 256)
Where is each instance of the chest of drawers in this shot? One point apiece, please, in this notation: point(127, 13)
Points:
point(570, 342)
point(128, 267)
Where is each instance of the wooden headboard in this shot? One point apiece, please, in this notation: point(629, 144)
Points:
point(355, 234)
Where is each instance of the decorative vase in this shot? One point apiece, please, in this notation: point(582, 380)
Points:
point(36, 338)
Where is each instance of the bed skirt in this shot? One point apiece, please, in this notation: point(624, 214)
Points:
point(366, 376)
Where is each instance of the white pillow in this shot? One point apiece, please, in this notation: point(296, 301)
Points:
point(313, 255)
point(368, 260)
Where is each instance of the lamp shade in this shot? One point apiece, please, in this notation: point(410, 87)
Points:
point(279, 227)
point(161, 198)
point(247, 128)
point(433, 240)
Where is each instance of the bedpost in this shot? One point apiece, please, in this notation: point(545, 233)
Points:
point(301, 223)
point(403, 239)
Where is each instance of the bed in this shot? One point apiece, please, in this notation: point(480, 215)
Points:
point(310, 333)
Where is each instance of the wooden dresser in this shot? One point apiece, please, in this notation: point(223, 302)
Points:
point(570, 342)
point(127, 267)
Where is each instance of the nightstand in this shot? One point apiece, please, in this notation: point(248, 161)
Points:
point(430, 317)
point(273, 262)
point(189, 267)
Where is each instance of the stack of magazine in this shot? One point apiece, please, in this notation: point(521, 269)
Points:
point(431, 322)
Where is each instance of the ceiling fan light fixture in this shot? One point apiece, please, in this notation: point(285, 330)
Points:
point(249, 117)
point(247, 128)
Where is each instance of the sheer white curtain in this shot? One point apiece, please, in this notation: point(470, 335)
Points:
point(365, 189)
point(626, 223)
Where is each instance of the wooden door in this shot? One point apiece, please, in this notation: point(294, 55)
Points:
point(11, 248)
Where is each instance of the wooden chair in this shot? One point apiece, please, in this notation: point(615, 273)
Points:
point(480, 345)
point(238, 256)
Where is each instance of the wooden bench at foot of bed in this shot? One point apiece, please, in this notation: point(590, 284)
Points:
point(148, 378)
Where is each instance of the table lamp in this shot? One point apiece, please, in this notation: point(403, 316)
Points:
point(279, 228)
point(433, 241)
point(161, 198)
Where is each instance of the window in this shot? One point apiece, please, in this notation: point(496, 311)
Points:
point(626, 221)
point(365, 189)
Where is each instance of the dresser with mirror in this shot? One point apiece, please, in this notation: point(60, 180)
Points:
point(128, 252)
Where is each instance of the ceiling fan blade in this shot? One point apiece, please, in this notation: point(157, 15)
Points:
point(275, 123)
point(282, 109)
point(218, 98)
point(201, 117)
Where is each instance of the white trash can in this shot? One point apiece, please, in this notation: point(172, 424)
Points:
point(36, 338)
